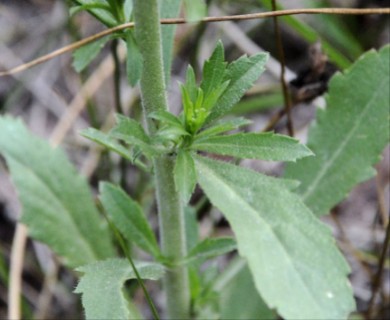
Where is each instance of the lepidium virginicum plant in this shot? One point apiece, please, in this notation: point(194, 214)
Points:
point(287, 264)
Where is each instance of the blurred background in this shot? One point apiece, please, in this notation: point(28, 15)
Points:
point(54, 100)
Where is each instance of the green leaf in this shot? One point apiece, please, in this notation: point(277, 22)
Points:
point(128, 217)
point(349, 136)
point(291, 254)
point(128, 9)
point(58, 207)
point(106, 141)
point(131, 132)
point(223, 126)
point(239, 298)
point(133, 60)
point(103, 15)
point(265, 146)
point(102, 284)
point(184, 175)
point(76, 9)
point(210, 248)
point(195, 9)
point(83, 56)
point(241, 75)
point(214, 69)
point(168, 9)
point(166, 118)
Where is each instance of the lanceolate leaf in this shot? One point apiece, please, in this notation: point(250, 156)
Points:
point(101, 287)
point(214, 70)
point(223, 126)
point(241, 75)
point(349, 135)
point(131, 132)
point(106, 141)
point(128, 217)
point(102, 15)
point(210, 248)
point(83, 56)
point(295, 263)
point(265, 146)
point(184, 174)
point(57, 205)
point(134, 59)
point(168, 9)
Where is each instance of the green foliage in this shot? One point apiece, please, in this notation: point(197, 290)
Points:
point(102, 284)
point(238, 297)
point(106, 141)
point(349, 136)
point(210, 248)
point(168, 9)
point(129, 218)
point(83, 56)
point(291, 254)
point(57, 205)
point(223, 126)
point(241, 75)
point(100, 9)
point(134, 59)
point(132, 133)
point(195, 10)
point(184, 174)
point(221, 88)
point(266, 146)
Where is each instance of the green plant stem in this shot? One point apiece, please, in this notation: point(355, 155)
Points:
point(171, 213)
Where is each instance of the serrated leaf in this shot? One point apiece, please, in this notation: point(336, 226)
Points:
point(241, 75)
point(106, 141)
point(195, 9)
point(102, 284)
point(293, 257)
point(128, 217)
point(83, 56)
point(349, 136)
point(133, 60)
point(131, 132)
point(58, 207)
point(184, 175)
point(210, 248)
point(223, 126)
point(214, 70)
point(265, 146)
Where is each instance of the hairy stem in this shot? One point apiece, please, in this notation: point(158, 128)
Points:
point(171, 215)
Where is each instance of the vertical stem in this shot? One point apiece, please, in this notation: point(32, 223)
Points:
point(171, 215)
point(286, 93)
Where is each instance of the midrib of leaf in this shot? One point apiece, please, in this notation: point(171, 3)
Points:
point(57, 199)
point(240, 146)
point(339, 150)
point(256, 216)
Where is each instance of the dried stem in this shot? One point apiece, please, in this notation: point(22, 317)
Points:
point(252, 16)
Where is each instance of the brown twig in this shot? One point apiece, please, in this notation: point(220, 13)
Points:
point(378, 277)
point(286, 93)
point(15, 281)
point(261, 15)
